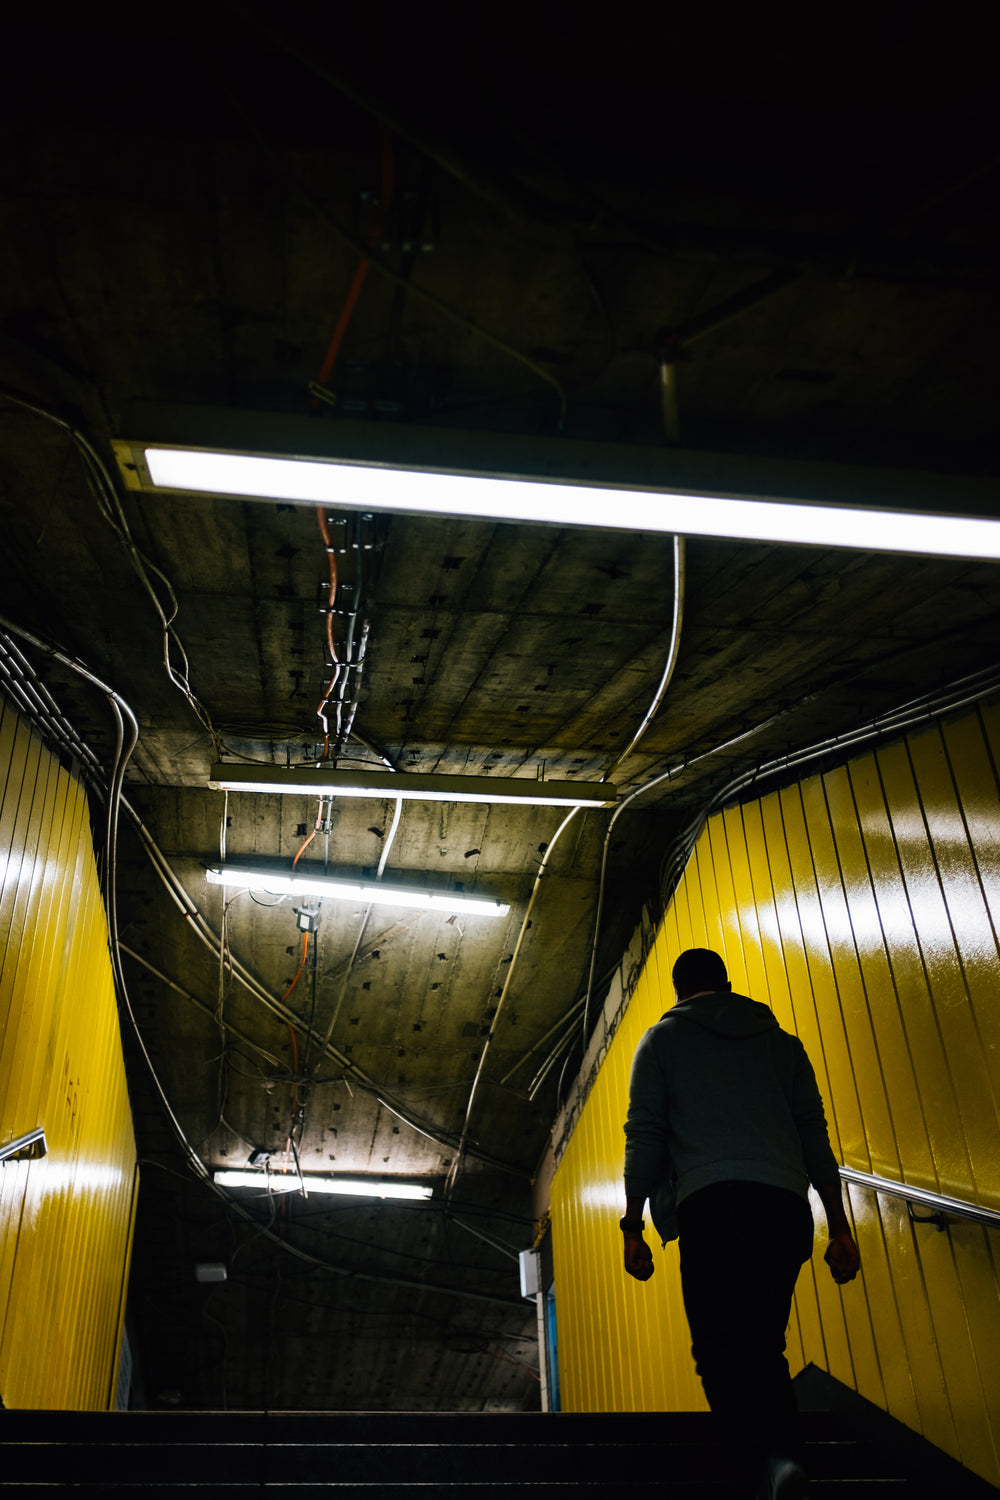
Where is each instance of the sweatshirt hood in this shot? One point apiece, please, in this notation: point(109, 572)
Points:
point(725, 1014)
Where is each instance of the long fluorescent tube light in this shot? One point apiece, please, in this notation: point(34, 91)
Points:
point(572, 503)
point(334, 888)
point(351, 1187)
point(312, 781)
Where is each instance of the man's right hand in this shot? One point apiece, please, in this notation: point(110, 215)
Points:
point(842, 1257)
point(638, 1256)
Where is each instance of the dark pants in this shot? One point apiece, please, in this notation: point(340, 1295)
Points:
point(742, 1245)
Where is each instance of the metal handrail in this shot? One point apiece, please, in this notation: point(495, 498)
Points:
point(29, 1146)
point(954, 1207)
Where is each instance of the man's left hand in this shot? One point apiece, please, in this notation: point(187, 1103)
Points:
point(638, 1256)
point(842, 1257)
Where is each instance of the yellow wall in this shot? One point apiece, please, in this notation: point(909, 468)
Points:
point(65, 1220)
point(864, 907)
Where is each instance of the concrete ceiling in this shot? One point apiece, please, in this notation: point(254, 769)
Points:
point(184, 206)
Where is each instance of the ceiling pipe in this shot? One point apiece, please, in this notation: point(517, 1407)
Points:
point(672, 342)
point(668, 672)
point(201, 929)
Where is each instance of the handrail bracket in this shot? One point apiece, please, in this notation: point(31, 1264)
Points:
point(28, 1147)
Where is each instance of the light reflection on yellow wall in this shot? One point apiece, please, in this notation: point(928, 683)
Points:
point(863, 906)
point(65, 1220)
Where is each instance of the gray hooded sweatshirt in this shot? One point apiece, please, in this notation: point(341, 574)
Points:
point(719, 1093)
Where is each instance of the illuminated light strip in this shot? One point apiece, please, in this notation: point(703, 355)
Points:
point(288, 1182)
point(252, 878)
point(311, 781)
point(357, 487)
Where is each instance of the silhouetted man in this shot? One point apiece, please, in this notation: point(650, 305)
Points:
point(725, 1132)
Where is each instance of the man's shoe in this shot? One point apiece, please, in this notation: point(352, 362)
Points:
point(782, 1479)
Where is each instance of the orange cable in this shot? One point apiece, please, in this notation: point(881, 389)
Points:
point(385, 198)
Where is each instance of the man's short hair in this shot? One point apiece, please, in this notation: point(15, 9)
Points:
point(699, 969)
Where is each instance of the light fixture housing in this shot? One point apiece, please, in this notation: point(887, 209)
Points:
point(283, 882)
point(377, 467)
point(323, 781)
point(351, 1187)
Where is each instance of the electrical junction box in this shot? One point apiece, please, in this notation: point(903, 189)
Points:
point(528, 1262)
point(210, 1270)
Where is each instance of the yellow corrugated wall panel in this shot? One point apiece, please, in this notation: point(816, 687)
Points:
point(598, 1310)
point(66, 1220)
point(863, 905)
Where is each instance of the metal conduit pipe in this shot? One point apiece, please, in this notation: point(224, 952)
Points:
point(525, 924)
point(361, 930)
point(184, 903)
point(960, 694)
point(964, 692)
point(565, 1027)
point(28, 700)
point(206, 935)
point(127, 737)
point(110, 507)
point(208, 1010)
point(668, 671)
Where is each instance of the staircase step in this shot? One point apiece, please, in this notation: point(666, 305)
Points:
point(392, 1454)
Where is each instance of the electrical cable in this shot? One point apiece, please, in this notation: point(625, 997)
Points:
point(366, 914)
point(298, 1112)
point(373, 750)
point(962, 693)
point(110, 507)
point(565, 1026)
point(202, 930)
point(414, 288)
point(456, 1165)
point(386, 194)
point(125, 744)
point(565, 1042)
point(347, 671)
point(486, 1239)
point(331, 647)
point(673, 652)
point(389, 839)
point(207, 1010)
point(668, 672)
point(661, 688)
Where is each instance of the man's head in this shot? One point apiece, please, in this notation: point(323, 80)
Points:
point(699, 971)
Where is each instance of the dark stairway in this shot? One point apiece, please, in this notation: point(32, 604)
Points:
point(397, 1453)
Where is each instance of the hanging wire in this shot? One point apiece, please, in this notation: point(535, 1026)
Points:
point(189, 911)
point(457, 1161)
point(106, 496)
point(126, 740)
point(342, 990)
point(331, 646)
point(658, 696)
point(413, 288)
point(319, 387)
point(668, 672)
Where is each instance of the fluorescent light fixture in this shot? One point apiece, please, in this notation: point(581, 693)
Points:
point(413, 484)
point(312, 781)
point(335, 888)
point(350, 1187)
